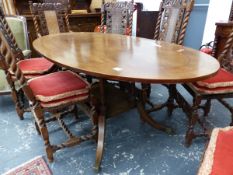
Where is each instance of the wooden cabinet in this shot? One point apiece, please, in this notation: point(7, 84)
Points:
point(146, 22)
point(85, 22)
point(79, 22)
point(22, 6)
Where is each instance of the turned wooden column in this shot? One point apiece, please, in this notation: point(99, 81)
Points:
point(9, 7)
point(223, 29)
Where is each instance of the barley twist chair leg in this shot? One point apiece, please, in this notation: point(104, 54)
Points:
point(207, 107)
point(193, 119)
point(171, 99)
point(18, 105)
point(75, 112)
point(39, 117)
point(37, 129)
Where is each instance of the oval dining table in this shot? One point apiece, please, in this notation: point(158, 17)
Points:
point(127, 59)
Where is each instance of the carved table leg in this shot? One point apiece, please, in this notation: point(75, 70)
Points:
point(146, 118)
point(101, 128)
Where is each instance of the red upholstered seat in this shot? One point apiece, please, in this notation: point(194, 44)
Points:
point(218, 158)
point(222, 79)
point(58, 88)
point(72, 99)
point(35, 65)
point(205, 90)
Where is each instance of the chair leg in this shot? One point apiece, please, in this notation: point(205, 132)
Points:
point(18, 106)
point(171, 99)
point(75, 112)
point(193, 118)
point(148, 92)
point(231, 124)
point(147, 88)
point(39, 117)
point(207, 107)
point(16, 97)
point(89, 78)
point(229, 107)
point(37, 129)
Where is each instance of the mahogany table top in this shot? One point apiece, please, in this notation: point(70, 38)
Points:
point(126, 58)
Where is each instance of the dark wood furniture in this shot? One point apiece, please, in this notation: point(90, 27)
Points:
point(173, 20)
point(78, 22)
point(118, 17)
point(146, 21)
point(223, 29)
point(49, 18)
point(49, 100)
point(30, 67)
point(170, 26)
point(22, 6)
point(217, 87)
point(123, 58)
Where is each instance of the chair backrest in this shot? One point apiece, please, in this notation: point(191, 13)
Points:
point(8, 7)
point(7, 29)
point(49, 18)
point(4, 86)
point(173, 20)
point(18, 26)
point(8, 59)
point(225, 57)
point(118, 17)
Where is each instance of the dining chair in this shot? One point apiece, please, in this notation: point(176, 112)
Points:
point(170, 27)
point(56, 94)
point(18, 26)
point(219, 87)
point(117, 17)
point(172, 20)
point(4, 86)
point(218, 155)
point(49, 18)
point(30, 67)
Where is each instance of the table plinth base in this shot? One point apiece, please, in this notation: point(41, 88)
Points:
point(148, 119)
point(110, 101)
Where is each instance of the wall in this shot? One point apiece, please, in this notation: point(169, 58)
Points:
point(218, 11)
point(195, 29)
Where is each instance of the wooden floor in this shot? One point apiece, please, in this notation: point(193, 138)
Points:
point(131, 146)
